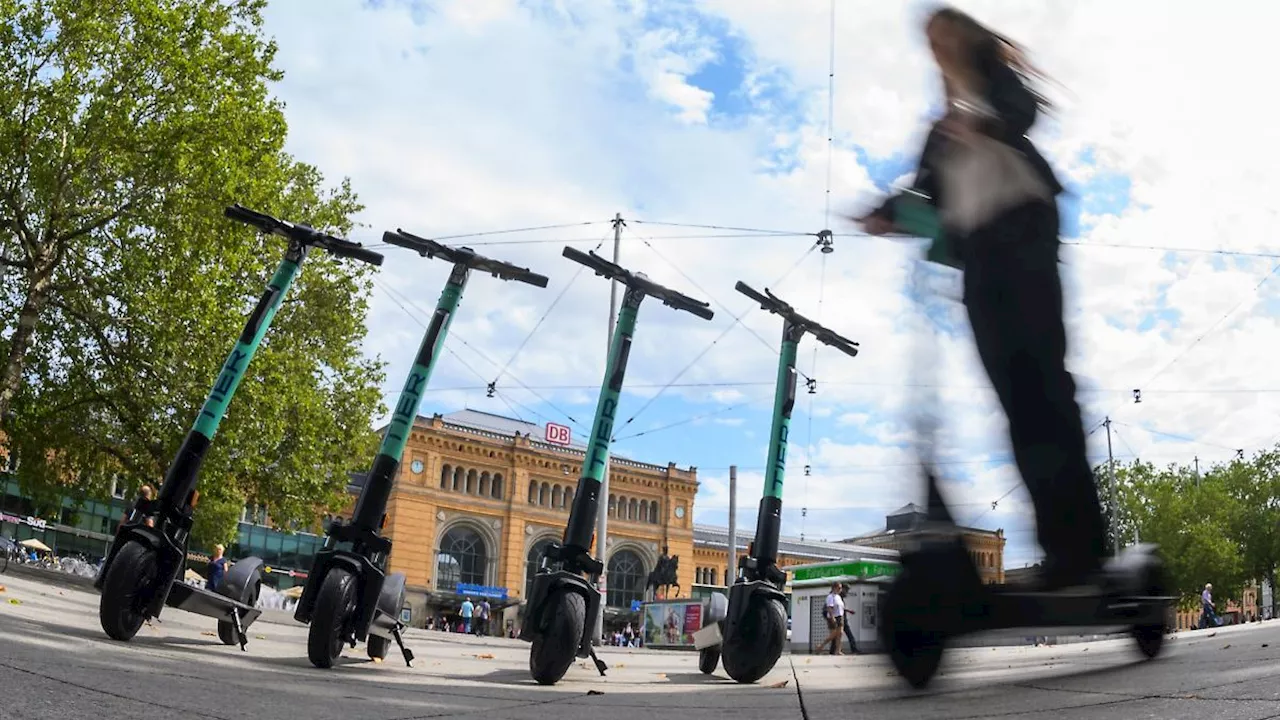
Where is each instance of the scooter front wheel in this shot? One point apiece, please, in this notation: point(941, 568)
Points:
point(753, 648)
point(333, 610)
point(708, 659)
point(127, 588)
point(378, 647)
point(915, 652)
point(1150, 638)
point(248, 596)
point(555, 648)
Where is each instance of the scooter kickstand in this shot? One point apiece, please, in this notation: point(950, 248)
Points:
point(600, 666)
point(240, 634)
point(408, 654)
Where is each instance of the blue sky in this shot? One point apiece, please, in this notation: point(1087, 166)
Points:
point(470, 117)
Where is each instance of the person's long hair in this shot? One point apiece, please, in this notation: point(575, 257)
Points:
point(985, 47)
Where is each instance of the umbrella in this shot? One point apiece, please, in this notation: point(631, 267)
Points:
point(294, 592)
point(193, 576)
point(36, 545)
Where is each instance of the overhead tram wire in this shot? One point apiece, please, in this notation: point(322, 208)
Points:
point(728, 228)
point(395, 299)
point(1137, 391)
point(453, 335)
point(1173, 436)
point(493, 386)
point(679, 423)
point(824, 236)
point(737, 319)
point(755, 383)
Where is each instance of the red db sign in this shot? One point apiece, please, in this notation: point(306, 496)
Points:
point(558, 434)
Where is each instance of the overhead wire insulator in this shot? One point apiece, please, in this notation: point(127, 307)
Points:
point(1137, 396)
point(491, 389)
point(825, 242)
point(812, 385)
point(807, 470)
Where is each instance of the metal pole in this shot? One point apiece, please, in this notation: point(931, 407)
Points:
point(732, 569)
point(1115, 501)
point(602, 528)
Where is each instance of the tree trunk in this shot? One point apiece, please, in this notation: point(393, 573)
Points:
point(38, 291)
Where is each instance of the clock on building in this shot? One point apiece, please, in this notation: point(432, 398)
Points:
point(416, 466)
point(680, 511)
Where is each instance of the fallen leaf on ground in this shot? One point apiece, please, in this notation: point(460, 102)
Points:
point(377, 660)
point(261, 637)
point(1212, 634)
point(595, 692)
point(1224, 647)
point(2, 588)
point(209, 633)
point(485, 656)
point(661, 676)
point(1264, 644)
point(15, 601)
point(780, 684)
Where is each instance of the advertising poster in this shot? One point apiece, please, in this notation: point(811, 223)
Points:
point(671, 624)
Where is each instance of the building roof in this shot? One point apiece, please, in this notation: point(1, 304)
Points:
point(718, 536)
point(481, 420)
point(910, 509)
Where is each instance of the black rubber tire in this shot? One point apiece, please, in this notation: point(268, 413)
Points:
point(329, 620)
point(1150, 638)
point(751, 652)
point(128, 586)
point(227, 631)
point(555, 650)
point(378, 647)
point(915, 652)
point(708, 659)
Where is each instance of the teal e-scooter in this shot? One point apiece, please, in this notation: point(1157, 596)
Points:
point(141, 573)
point(749, 629)
point(349, 596)
point(563, 605)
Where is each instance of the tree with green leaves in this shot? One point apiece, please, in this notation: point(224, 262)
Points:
point(126, 127)
point(1254, 487)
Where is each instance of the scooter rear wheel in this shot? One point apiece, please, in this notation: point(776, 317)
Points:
point(751, 651)
point(378, 647)
point(127, 588)
point(329, 620)
point(708, 659)
point(555, 648)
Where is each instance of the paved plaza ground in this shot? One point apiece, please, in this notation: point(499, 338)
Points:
point(55, 662)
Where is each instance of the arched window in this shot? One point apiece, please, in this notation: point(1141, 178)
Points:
point(471, 482)
point(644, 511)
point(484, 484)
point(633, 509)
point(544, 494)
point(446, 476)
point(459, 477)
point(626, 579)
point(495, 490)
point(655, 513)
point(533, 561)
point(613, 505)
point(557, 496)
point(533, 493)
point(568, 497)
point(697, 575)
point(462, 558)
point(713, 576)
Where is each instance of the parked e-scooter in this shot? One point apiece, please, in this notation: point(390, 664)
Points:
point(144, 566)
point(749, 629)
point(349, 596)
point(562, 603)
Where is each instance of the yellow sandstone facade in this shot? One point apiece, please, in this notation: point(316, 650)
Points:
point(478, 496)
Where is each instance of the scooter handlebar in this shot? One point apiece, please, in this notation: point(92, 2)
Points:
point(769, 301)
point(465, 256)
point(671, 298)
point(303, 234)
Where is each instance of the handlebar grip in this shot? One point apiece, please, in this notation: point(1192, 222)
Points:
point(532, 278)
point(578, 256)
point(702, 310)
point(240, 213)
point(355, 252)
point(750, 292)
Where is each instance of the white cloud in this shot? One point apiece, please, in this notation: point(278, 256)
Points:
point(488, 115)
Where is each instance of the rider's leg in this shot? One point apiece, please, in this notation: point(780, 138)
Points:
point(1013, 293)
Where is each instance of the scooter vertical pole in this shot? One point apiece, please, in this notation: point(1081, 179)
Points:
point(769, 519)
point(586, 501)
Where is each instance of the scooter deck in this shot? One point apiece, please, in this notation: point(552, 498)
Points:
point(210, 604)
point(1007, 610)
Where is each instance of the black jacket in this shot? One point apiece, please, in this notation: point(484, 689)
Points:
point(1016, 110)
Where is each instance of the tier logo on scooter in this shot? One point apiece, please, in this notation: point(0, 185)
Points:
point(230, 371)
point(408, 405)
point(604, 430)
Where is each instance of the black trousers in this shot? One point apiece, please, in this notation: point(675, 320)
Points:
point(1013, 293)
